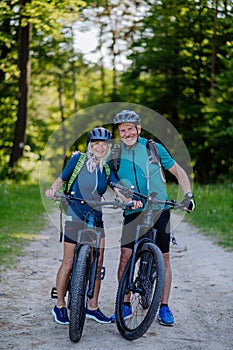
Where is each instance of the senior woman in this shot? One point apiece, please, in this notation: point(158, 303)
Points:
point(90, 183)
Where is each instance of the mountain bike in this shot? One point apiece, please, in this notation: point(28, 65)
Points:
point(143, 276)
point(84, 270)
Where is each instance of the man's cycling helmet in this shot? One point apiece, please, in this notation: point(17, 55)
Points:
point(127, 116)
point(99, 134)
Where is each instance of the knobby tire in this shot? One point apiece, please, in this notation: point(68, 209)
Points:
point(78, 289)
point(144, 305)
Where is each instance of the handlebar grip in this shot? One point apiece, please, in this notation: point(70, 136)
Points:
point(129, 205)
point(177, 205)
point(59, 195)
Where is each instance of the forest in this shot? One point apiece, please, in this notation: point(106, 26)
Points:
point(174, 57)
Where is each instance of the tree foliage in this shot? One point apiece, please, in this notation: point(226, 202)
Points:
point(179, 63)
point(49, 48)
point(180, 67)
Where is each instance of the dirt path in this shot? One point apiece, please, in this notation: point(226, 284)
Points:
point(201, 298)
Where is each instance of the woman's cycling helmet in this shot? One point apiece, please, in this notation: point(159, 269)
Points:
point(127, 116)
point(99, 134)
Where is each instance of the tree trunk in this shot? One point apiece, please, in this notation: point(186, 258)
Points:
point(213, 58)
point(24, 67)
point(61, 106)
point(101, 63)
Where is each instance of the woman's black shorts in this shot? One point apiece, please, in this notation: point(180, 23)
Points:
point(72, 228)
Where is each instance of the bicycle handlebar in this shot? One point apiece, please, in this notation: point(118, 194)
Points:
point(118, 203)
point(130, 192)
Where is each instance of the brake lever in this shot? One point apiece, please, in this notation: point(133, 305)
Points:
point(180, 206)
point(126, 193)
point(123, 190)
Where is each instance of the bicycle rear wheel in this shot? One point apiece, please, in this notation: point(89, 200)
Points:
point(149, 279)
point(78, 288)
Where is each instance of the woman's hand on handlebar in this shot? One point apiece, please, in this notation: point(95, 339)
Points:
point(55, 187)
point(50, 192)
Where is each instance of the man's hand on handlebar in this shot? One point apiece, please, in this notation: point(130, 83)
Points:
point(189, 202)
point(137, 204)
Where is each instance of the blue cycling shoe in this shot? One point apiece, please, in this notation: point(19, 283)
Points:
point(97, 315)
point(165, 316)
point(127, 313)
point(60, 315)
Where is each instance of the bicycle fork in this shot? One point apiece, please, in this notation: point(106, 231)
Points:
point(131, 285)
point(93, 273)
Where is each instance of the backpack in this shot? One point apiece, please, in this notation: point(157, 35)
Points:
point(153, 156)
point(67, 186)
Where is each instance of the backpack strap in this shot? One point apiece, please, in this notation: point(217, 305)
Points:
point(75, 173)
point(116, 157)
point(154, 156)
point(107, 170)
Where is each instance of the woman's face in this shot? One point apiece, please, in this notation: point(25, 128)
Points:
point(100, 148)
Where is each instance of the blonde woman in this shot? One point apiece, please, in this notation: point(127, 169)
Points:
point(90, 183)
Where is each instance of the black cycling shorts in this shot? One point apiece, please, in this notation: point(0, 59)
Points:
point(72, 228)
point(162, 225)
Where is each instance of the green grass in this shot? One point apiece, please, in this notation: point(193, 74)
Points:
point(213, 214)
point(21, 218)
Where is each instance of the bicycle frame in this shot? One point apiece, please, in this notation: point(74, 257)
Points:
point(89, 236)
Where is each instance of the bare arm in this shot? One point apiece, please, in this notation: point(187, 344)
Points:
point(55, 187)
point(181, 177)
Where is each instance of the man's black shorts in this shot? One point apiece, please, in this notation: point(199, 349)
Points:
point(162, 225)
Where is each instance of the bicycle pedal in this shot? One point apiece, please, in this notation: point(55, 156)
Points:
point(54, 293)
point(100, 274)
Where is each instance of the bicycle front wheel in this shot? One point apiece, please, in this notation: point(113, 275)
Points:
point(78, 288)
point(148, 281)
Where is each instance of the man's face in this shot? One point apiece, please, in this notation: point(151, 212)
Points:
point(129, 133)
